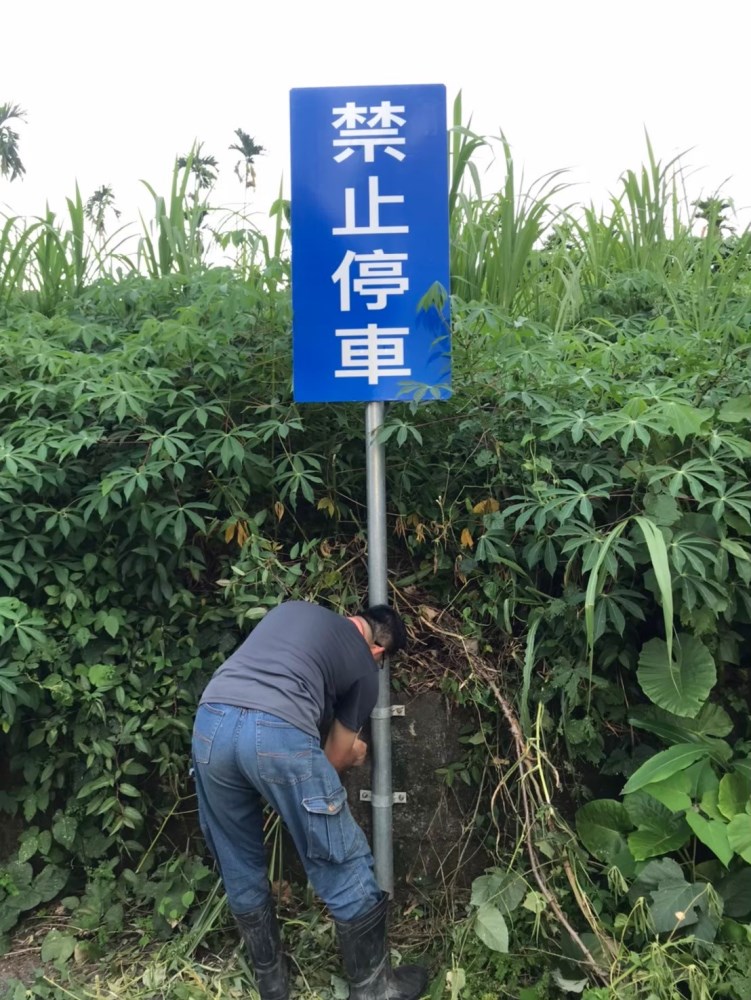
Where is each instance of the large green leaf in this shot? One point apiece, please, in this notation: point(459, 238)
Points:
point(702, 778)
point(743, 766)
point(682, 684)
point(602, 825)
point(567, 985)
point(656, 875)
point(27, 899)
point(712, 720)
point(58, 947)
point(662, 508)
point(658, 830)
point(9, 915)
point(739, 835)
point(673, 791)
point(735, 890)
point(64, 830)
point(684, 419)
point(713, 833)
point(734, 794)
point(673, 901)
point(708, 803)
point(733, 411)
point(710, 915)
point(505, 889)
point(491, 928)
point(673, 907)
point(50, 881)
point(665, 764)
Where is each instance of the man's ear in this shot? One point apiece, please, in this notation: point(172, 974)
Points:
point(378, 650)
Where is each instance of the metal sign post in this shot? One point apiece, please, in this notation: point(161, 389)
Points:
point(369, 215)
point(380, 724)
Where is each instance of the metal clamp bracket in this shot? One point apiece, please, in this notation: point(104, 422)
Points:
point(381, 801)
point(387, 712)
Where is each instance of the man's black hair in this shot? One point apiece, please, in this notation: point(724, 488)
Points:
point(388, 628)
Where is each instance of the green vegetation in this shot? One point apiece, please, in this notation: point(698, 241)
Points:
point(579, 515)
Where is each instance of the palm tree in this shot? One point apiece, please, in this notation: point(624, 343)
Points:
point(712, 211)
point(248, 149)
point(97, 206)
point(10, 161)
point(203, 168)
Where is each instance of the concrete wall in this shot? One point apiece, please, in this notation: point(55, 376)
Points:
point(433, 837)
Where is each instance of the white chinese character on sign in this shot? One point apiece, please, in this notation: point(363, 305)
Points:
point(386, 116)
point(372, 353)
point(380, 275)
point(350, 115)
point(375, 200)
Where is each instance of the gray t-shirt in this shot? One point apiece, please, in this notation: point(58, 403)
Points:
point(304, 664)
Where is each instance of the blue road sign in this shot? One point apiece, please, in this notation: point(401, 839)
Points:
point(369, 242)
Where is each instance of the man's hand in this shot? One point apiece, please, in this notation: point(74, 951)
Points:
point(359, 752)
point(344, 748)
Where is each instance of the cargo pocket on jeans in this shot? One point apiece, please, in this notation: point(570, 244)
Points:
point(330, 827)
point(208, 720)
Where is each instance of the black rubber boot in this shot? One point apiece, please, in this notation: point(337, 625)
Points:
point(260, 932)
point(366, 959)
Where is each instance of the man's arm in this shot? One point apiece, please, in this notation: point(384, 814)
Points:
point(344, 748)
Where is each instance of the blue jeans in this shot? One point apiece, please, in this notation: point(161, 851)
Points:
point(242, 757)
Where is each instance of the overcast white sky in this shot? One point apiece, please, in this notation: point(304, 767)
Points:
point(114, 91)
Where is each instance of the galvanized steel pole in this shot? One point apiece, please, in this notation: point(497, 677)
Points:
point(382, 796)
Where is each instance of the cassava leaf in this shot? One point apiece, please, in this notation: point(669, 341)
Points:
point(735, 410)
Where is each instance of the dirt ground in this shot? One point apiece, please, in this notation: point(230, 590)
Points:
point(21, 962)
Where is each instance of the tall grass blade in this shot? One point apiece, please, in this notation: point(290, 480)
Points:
point(76, 241)
point(529, 662)
point(52, 272)
point(463, 145)
point(16, 246)
point(594, 586)
point(658, 553)
point(494, 239)
point(172, 242)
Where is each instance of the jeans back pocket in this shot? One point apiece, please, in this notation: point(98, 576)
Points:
point(284, 753)
point(208, 720)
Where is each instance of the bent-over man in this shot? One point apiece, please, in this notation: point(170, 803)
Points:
point(257, 737)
